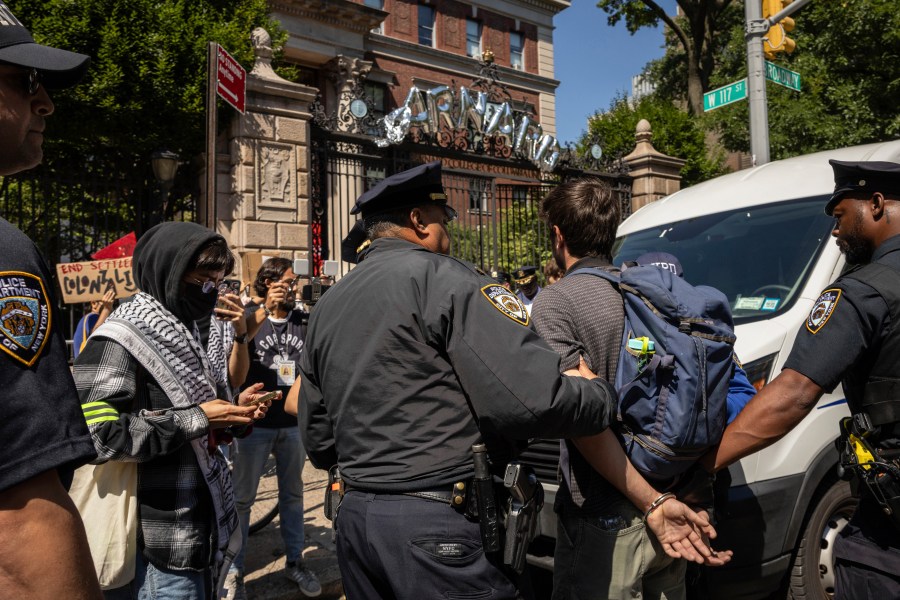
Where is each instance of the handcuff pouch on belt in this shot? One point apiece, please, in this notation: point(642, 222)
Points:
point(865, 466)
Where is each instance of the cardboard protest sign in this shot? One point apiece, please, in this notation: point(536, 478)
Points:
point(86, 281)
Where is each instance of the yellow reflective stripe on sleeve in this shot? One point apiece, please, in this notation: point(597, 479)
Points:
point(98, 412)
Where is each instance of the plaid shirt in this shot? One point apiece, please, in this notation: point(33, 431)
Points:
point(131, 419)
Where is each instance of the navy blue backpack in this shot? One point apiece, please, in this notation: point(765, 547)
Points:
point(674, 368)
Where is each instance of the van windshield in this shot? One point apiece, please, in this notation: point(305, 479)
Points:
point(760, 257)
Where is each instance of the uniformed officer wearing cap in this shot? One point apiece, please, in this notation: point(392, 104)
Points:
point(45, 552)
point(526, 285)
point(410, 359)
point(852, 337)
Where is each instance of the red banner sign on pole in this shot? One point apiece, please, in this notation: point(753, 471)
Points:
point(231, 80)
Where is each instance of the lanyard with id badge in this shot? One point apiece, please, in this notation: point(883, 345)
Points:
point(285, 367)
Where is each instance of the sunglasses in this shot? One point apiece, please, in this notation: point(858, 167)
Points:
point(34, 81)
point(207, 286)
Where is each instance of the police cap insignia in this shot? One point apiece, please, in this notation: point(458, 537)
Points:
point(822, 310)
point(24, 316)
point(525, 274)
point(506, 302)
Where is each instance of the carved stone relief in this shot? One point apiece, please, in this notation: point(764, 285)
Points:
point(276, 183)
point(401, 17)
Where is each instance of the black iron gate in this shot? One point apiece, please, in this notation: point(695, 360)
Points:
point(498, 201)
point(73, 212)
point(498, 223)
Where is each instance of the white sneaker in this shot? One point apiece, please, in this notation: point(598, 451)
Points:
point(234, 586)
point(303, 577)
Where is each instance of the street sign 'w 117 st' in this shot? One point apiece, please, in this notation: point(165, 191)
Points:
point(732, 92)
point(231, 80)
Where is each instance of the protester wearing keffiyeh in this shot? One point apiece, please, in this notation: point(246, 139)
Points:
point(142, 379)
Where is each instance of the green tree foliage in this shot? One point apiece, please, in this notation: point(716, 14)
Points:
point(848, 55)
point(674, 133)
point(695, 40)
point(146, 85)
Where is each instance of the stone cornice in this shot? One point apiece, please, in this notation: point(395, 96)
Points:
point(342, 14)
point(455, 64)
point(551, 6)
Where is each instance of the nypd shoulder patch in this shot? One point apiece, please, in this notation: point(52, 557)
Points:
point(822, 310)
point(24, 316)
point(506, 302)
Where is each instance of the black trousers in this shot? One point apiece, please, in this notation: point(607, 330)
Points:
point(867, 556)
point(395, 546)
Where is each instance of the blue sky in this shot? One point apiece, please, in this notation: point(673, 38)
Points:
point(595, 62)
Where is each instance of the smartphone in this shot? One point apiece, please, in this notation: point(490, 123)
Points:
point(265, 398)
point(228, 286)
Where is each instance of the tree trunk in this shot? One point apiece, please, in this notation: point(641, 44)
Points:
point(694, 86)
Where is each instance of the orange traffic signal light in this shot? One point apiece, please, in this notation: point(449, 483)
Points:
point(776, 40)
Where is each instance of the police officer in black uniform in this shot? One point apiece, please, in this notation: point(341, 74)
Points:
point(44, 552)
point(851, 336)
point(410, 359)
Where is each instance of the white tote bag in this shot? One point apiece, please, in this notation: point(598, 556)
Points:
point(106, 497)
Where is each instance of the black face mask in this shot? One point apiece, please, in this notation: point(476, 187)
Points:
point(195, 304)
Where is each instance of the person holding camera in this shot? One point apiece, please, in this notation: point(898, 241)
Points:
point(275, 350)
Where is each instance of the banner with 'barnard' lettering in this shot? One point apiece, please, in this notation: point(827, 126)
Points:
point(86, 281)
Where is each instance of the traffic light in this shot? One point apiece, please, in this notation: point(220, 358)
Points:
point(776, 40)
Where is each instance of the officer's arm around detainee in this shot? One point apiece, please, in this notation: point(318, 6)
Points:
point(768, 417)
point(512, 379)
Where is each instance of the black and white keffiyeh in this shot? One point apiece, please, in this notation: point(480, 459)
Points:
point(218, 349)
point(173, 356)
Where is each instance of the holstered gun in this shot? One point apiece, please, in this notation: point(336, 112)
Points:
point(485, 500)
point(525, 504)
point(334, 493)
point(864, 465)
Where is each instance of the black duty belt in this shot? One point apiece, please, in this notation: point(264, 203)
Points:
point(457, 495)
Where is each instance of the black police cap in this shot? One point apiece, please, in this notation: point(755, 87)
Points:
point(524, 274)
point(412, 187)
point(355, 242)
point(867, 176)
point(500, 276)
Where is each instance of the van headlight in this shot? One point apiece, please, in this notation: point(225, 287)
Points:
point(759, 370)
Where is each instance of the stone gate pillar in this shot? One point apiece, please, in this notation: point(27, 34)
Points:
point(263, 199)
point(654, 174)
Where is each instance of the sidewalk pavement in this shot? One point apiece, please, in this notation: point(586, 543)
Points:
point(264, 558)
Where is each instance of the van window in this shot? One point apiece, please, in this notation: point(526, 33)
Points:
point(760, 256)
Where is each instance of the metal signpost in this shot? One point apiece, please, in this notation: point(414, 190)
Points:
point(227, 79)
point(732, 92)
point(757, 27)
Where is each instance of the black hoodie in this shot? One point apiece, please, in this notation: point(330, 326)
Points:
point(163, 255)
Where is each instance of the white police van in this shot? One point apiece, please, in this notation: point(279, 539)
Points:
point(761, 236)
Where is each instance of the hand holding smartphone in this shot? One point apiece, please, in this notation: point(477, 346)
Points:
point(264, 398)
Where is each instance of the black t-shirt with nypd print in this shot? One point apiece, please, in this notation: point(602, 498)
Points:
point(43, 426)
point(278, 341)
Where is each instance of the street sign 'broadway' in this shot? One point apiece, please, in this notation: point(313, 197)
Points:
point(725, 95)
point(231, 80)
point(782, 76)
